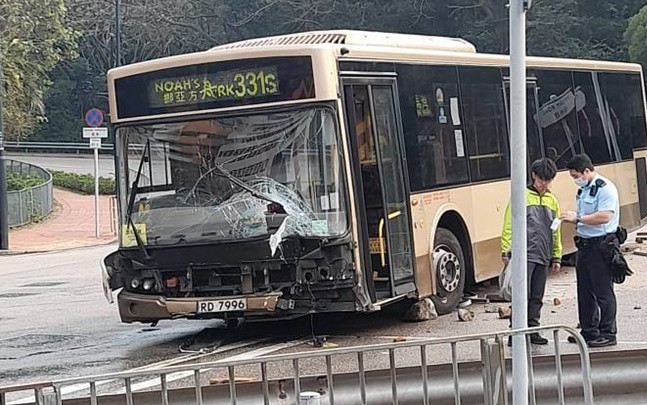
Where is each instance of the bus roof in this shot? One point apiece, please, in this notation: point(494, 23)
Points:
point(367, 45)
point(358, 38)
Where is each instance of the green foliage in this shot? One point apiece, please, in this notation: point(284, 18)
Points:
point(636, 37)
point(17, 181)
point(153, 29)
point(33, 39)
point(83, 183)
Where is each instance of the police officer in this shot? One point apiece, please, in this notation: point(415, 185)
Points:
point(597, 216)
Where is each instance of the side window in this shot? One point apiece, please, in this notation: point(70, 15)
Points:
point(556, 115)
point(589, 99)
point(432, 124)
point(624, 110)
point(485, 122)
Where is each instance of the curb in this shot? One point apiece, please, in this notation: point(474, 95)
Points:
point(12, 252)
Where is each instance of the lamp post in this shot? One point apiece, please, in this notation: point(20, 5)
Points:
point(519, 264)
point(4, 206)
point(117, 34)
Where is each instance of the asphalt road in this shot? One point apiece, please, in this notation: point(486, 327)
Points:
point(55, 323)
point(72, 163)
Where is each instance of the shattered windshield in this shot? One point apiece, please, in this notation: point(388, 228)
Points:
point(229, 178)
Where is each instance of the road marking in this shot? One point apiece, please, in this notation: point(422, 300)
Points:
point(265, 350)
point(69, 389)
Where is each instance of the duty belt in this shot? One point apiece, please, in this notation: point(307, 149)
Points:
point(583, 243)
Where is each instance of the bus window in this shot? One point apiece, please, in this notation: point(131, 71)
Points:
point(622, 90)
point(595, 139)
point(433, 130)
point(556, 115)
point(485, 126)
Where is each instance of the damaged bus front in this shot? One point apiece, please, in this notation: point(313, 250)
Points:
point(233, 216)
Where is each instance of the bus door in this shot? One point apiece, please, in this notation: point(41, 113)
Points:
point(381, 193)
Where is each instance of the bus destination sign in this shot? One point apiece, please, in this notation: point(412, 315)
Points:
point(234, 84)
point(215, 85)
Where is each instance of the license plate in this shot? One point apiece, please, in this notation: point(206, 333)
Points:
point(232, 304)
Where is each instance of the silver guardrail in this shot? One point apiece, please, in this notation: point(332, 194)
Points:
point(362, 385)
point(27, 146)
point(29, 204)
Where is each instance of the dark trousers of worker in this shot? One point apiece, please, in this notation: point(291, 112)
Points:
point(537, 276)
point(596, 301)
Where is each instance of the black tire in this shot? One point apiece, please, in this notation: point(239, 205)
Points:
point(451, 262)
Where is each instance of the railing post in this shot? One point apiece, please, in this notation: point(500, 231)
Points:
point(494, 376)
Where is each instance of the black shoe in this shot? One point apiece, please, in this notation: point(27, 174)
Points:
point(602, 342)
point(571, 339)
point(537, 339)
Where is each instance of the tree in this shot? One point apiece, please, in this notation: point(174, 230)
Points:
point(34, 37)
point(636, 37)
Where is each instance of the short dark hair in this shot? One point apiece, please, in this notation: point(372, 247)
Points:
point(544, 168)
point(579, 163)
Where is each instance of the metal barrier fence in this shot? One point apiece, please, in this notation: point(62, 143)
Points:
point(32, 203)
point(456, 383)
point(51, 147)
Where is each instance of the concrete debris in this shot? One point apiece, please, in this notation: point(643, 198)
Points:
point(240, 380)
point(423, 310)
point(465, 315)
point(491, 309)
point(505, 312)
point(556, 301)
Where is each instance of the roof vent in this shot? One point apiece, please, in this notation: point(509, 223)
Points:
point(358, 38)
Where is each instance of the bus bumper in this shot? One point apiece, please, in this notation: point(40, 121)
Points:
point(151, 308)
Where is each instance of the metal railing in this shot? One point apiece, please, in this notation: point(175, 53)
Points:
point(456, 383)
point(32, 203)
point(77, 147)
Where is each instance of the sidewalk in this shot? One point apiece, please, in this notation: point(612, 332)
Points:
point(70, 225)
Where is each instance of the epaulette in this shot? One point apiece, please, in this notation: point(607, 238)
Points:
point(599, 183)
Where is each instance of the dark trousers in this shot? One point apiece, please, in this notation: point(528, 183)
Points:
point(596, 301)
point(537, 276)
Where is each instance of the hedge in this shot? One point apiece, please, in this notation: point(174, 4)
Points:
point(82, 183)
point(17, 181)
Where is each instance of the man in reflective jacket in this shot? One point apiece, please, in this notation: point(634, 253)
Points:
point(544, 240)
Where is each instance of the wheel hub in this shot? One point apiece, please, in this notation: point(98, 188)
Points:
point(448, 269)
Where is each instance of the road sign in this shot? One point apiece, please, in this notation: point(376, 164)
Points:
point(94, 117)
point(95, 143)
point(95, 132)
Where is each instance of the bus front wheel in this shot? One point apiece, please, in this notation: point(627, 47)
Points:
point(448, 266)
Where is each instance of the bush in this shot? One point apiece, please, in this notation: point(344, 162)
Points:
point(17, 181)
point(83, 183)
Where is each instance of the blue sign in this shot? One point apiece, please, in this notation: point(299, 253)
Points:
point(94, 117)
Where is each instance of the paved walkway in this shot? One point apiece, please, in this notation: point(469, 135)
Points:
point(70, 225)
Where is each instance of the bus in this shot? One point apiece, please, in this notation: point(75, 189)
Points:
point(342, 171)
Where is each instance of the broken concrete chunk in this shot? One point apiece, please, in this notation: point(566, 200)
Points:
point(423, 310)
point(505, 312)
point(465, 315)
point(557, 301)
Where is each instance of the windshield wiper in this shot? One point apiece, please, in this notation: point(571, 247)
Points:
point(131, 202)
point(217, 167)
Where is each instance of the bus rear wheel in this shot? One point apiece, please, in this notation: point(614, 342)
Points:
point(448, 266)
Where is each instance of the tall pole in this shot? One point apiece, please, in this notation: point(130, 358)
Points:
point(117, 35)
point(96, 192)
point(518, 201)
point(4, 205)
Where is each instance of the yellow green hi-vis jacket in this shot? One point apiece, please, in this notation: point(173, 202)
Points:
point(544, 245)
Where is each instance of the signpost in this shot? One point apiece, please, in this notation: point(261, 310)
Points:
point(95, 132)
point(518, 10)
